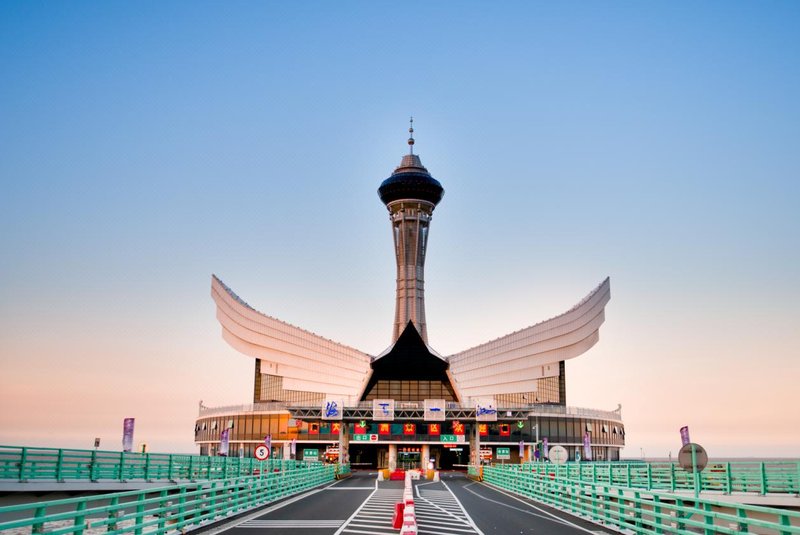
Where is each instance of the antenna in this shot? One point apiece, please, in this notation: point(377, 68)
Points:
point(411, 136)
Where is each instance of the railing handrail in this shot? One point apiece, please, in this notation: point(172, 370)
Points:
point(169, 508)
point(639, 510)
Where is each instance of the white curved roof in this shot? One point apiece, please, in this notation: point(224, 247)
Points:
point(510, 364)
point(513, 362)
point(306, 361)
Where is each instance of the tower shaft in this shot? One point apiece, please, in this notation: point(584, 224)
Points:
point(410, 223)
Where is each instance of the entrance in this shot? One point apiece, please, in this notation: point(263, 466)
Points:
point(409, 457)
point(363, 457)
point(454, 457)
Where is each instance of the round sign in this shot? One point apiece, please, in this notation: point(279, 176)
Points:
point(261, 453)
point(558, 454)
point(685, 457)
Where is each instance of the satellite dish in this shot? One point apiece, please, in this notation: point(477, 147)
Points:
point(685, 457)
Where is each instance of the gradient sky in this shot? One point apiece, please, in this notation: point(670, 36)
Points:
point(146, 145)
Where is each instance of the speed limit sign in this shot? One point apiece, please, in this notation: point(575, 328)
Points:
point(261, 453)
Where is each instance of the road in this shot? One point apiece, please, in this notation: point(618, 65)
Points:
point(362, 505)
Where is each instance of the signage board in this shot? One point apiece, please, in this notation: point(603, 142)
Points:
point(435, 410)
point(700, 457)
point(261, 453)
point(365, 438)
point(383, 410)
point(503, 453)
point(558, 454)
point(452, 438)
point(332, 409)
point(485, 410)
point(310, 455)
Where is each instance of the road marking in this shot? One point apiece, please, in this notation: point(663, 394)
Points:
point(287, 524)
point(554, 518)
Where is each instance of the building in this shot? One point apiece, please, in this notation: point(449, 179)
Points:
point(410, 406)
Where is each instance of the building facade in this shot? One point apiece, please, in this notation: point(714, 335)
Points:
point(410, 406)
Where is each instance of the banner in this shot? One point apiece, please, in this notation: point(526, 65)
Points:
point(521, 450)
point(293, 447)
point(587, 446)
point(434, 410)
point(127, 434)
point(545, 448)
point(332, 409)
point(383, 410)
point(223, 442)
point(485, 410)
point(268, 444)
point(685, 435)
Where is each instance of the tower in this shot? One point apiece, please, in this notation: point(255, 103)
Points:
point(410, 195)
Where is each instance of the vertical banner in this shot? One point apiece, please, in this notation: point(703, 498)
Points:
point(587, 446)
point(223, 442)
point(127, 434)
point(685, 435)
point(545, 449)
point(521, 451)
point(268, 444)
point(293, 447)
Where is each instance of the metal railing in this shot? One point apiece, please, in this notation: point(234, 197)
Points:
point(172, 509)
point(767, 477)
point(25, 464)
point(639, 511)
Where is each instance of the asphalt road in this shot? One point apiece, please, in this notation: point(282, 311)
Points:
point(362, 505)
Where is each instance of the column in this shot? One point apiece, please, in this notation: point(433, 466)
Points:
point(392, 456)
point(344, 443)
point(426, 453)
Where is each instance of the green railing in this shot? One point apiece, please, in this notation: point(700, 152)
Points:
point(638, 511)
point(778, 477)
point(24, 464)
point(163, 510)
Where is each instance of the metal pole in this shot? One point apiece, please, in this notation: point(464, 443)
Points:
point(694, 471)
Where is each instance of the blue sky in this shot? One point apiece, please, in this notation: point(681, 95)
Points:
point(144, 146)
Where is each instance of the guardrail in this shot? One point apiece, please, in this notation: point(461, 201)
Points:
point(25, 464)
point(168, 509)
point(773, 477)
point(641, 512)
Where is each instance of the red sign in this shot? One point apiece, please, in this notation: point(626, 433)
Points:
point(458, 428)
point(483, 429)
point(384, 429)
point(505, 430)
point(361, 429)
point(313, 429)
point(434, 429)
point(336, 427)
point(409, 429)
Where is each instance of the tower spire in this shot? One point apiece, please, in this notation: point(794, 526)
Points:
point(411, 136)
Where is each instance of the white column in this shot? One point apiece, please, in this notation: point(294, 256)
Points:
point(392, 456)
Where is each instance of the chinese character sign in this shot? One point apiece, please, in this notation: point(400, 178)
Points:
point(332, 409)
point(458, 428)
point(483, 430)
point(434, 410)
point(505, 430)
point(384, 429)
point(127, 434)
point(409, 429)
point(485, 410)
point(383, 410)
point(336, 427)
point(434, 429)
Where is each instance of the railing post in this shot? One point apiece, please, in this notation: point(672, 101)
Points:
point(649, 476)
point(728, 478)
point(147, 467)
point(208, 469)
point(763, 478)
point(122, 466)
point(190, 475)
point(60, 465)
point(170, 465)
point(91, 465)
point(672, 477)
point(23, 458)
